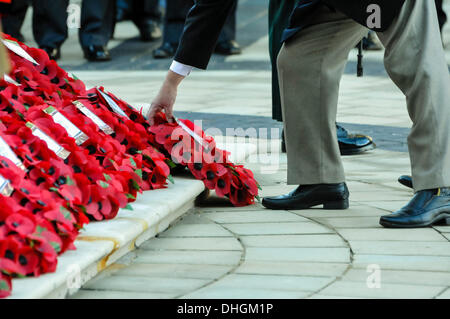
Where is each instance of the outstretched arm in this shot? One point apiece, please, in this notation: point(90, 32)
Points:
point(202, 29)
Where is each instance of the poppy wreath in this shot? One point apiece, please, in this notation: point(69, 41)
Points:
point(34, 228)
point(44, 167)
point(101, 195)
point(49, 174)
point(134, 137)
point(205, 161)
point(45, 77)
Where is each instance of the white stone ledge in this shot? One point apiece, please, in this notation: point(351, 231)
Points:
point(102, 243)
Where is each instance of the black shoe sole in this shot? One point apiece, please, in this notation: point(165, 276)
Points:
point(405, 182)
point(356, 151)
point(444, 218)
point(329, 205)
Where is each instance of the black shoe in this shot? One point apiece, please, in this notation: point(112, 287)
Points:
point(166, 50)
point(331, 196)
point(353, 144)
point(228, 48)
point(150, 31)
point(406, 180)
point(96, 53)
point(426, 208)
point(53, 53)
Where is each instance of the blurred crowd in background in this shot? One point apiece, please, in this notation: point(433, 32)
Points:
point(155, 20)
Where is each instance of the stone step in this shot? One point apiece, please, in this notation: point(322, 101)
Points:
point(102, 243)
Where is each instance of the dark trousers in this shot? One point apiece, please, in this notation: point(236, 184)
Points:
point(176, 12)
point(442, 17)
point(141, 11)
point(13, 21)
point(279, 12)
point(50, 21)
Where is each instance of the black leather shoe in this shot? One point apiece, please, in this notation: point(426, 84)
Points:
point(96, 53)
point(53, 53)
point(331, 196)
point(406, 180)
point(228, 48)
point(353, 144)
point(426, 208)
point(166, 50)
point(150, 31)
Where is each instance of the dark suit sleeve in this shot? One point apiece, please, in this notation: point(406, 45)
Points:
point(203, 24)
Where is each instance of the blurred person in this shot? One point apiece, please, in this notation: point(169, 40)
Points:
point(145, 14)
point(311, 63)
point(176, 12)
point(279, 13)
point(50, 25)
point(12, 21)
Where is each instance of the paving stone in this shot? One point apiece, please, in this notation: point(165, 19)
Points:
point(386, 291)
point(388, 206)
point(175, 270)
point(420, 278)
point(353, 211)
point(244, 293)
point(268, 282)
point(332, 255)
point(196, 230)
point(292, 268)
point(425, 263)
point(445, 295)
point(446, 235)
point(423, 234)
point(443, 229)
point(255, 217)
point(277, 228)
point(323, 240)
point(189, 257)
point(147, 284)
point(206, 243)
point(110, 294)
point(352, 222)
point(401, 248)
point(384, 196)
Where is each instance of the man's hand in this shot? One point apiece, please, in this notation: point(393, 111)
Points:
point(166, 97)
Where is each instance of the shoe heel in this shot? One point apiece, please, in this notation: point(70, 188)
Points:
point(342, 204)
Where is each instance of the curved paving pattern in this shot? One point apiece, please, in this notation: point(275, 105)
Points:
point(222, 252)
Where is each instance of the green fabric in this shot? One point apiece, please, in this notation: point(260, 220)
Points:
point(279, 12)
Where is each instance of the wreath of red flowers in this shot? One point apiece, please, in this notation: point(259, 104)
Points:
point(97, 172)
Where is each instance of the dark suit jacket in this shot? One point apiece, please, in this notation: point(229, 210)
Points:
point(207, 17)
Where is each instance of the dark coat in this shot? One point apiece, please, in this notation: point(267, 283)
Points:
point(207, 17)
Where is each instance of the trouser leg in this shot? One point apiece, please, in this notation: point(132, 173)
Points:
point(13, 21)
point(50, 22)
point(176, 12)
point(442, 17)
point(279, 12)
point(415, 61)
point(145, 10)
point(229, 29)
point(310, 67)
point(97, 22)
